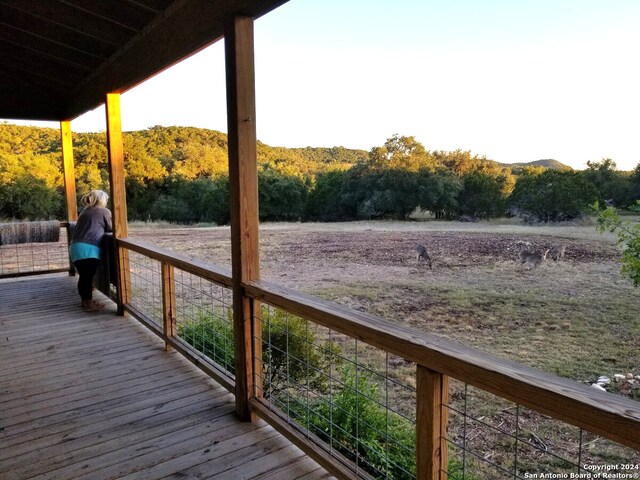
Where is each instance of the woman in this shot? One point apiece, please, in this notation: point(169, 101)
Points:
point(93, 222)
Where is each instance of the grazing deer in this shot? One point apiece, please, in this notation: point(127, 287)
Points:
point(557, 253)
point(422, 253)
point(531, 258)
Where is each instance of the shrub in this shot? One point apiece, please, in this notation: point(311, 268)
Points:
point(628, 237)
point(358, 426)
point(289, 354)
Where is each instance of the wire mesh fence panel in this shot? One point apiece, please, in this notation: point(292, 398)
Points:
point(146, 286)
point(204, 317)
point(351, 398)
point(492, 438)
point(203, 310)
point(23, 258)
point(600, 455)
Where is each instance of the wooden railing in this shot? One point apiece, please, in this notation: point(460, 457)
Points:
point(437, 359)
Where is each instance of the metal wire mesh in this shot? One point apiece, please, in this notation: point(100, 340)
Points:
point(146, 286)
point(34, 257)
point(204, 316)
point(203, 310)
point(353, 399)
point(492, 438)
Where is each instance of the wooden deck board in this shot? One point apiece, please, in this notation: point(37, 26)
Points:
point(95, 396)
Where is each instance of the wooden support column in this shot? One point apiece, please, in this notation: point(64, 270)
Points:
point(68, 169)
point(243, 187)
point(118, 198)
point(168, 303)
point(431, 423)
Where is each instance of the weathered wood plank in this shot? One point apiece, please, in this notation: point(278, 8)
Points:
point(59, 443)
point(63, 459)
point(139, 450)
point(39, 403)
point(108, 402)
point(60, 386)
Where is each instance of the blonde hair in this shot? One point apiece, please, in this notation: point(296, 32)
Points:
point(95, 198)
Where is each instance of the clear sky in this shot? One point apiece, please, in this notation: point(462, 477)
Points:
point(515, 80)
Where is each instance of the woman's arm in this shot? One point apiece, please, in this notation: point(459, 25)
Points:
point(108, 225)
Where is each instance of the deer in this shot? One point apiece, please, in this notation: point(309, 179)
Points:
point(422, 253)
point(557, 253)
point(526, 257)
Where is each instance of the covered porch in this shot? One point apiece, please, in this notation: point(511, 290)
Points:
point(97, 396)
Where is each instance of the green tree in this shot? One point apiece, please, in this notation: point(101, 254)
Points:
point(29, 198)
point(281, 197)
point(214, 201)
point(611, 183)
point(400, 153)
point(396, 193)
point(628, 237)
point(635, 185)
point(438, 192)
point(552, 196)
point(139, 165)
point(481, 196)
point(324, 200)
point(171, 209)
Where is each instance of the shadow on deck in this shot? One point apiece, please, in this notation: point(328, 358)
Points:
point(95, 396)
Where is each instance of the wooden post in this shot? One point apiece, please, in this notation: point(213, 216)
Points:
point(168, 303)
point(431, 424)
point(66, 142)
point(118, 198)
point(243, 187)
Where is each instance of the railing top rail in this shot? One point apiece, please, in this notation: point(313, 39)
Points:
point(611, 416)
point(216, 274)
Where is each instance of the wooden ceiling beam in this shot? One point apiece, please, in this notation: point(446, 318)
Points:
point(41, 66)
point(72, 18)
point(54, 33)
point(152, 5)
point(32, 45)
point(117, 12)
point(185, 28)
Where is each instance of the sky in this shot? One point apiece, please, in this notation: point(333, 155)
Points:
point(512, 80)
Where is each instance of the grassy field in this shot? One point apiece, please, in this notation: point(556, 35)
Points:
point(577, 318)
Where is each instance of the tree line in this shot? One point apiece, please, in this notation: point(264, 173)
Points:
point(180, 174)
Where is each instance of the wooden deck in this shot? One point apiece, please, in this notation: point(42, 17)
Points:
point(95, 396)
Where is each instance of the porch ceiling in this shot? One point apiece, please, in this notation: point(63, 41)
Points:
point(58, 58)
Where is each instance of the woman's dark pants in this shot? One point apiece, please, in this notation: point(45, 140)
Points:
point(86, 268)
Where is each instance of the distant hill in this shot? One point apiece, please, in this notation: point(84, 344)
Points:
point(547, 163)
